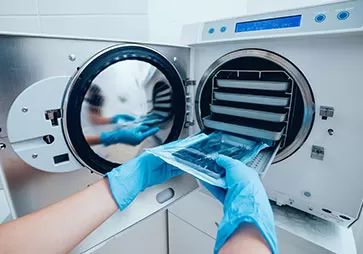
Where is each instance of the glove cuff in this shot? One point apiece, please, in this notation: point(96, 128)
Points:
point(104, 137)
point(247, 205)
point(119, 192)
point(114, 119)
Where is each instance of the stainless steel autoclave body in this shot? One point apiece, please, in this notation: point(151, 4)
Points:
point(296, 86)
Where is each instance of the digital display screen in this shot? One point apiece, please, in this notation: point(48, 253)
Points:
point(269, 24)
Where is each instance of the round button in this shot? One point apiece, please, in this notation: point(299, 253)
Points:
point(211, 30)
point(320, 18)
point(223, 29)
point(343, 15)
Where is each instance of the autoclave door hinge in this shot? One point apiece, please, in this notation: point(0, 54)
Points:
point(189, 88)
point(317, 152)
point(326, 112)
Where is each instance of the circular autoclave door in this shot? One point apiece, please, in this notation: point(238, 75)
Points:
point(122, 80)
point(257, 93)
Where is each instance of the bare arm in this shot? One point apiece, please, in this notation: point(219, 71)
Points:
point(59, 227)
point(246, 239)
point(98, 119)
point(93, 140)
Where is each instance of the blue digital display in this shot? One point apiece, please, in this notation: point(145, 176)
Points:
point(269, 24)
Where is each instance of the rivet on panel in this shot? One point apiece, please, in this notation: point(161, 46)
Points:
point(35, 155)
point(175, 59)
point(24, 109)
point(2, 146)
point(72, 57)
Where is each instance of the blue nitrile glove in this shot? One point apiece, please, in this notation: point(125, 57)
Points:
point(122, 117)
point(133, 177)
point(245, 201)
point(132, 136)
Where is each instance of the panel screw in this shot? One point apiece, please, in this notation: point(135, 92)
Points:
point(24, 109)
point(331, 132)
point(2, 146)
point(307, 194)
point(35, 155)
point(72, 57)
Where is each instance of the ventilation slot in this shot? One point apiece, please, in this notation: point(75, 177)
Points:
point(253, 103)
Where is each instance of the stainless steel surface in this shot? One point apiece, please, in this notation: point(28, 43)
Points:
point(262, 162)
point(254, 99)
point(253, 84)
point(291, 70)
point(248, 113)
point(126, 87)
point(26, 60)
point(72, 57)
point(243, 130)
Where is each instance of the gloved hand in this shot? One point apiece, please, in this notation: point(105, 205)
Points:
point(132, 136)
point(245, 201)
point(133, 177)
point(122, 117)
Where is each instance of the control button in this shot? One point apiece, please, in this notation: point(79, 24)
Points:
point(223, 29)
point(211, 30)
point(320, 18)
point(343, 15)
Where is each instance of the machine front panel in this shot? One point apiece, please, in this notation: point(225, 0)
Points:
point(332, 68)
point(320, 19)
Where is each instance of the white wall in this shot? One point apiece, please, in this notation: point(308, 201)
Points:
point(166, 18)
point(261, 6)
point(122, 19)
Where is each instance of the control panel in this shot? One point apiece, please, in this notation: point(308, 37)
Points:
point(317, 19)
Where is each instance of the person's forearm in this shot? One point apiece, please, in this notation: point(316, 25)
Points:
point(97, 119)
point(247, 239)
point(59, 227)
point(93, 140)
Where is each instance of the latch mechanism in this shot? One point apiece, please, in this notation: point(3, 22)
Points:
point(189, 84)
point(317, 152)
point(53, 115)
point(326, 112)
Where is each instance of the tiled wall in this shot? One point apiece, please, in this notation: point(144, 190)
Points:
point(121, 19)
point(168, 17)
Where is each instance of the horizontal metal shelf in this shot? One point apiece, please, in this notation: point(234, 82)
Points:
point(249, 113)
point(243, 130)
point(162, 105)
point(163, 98)
point(163, 92)
point(253, 84)
point(262, 162)
point(161, 113)
point(254, 99)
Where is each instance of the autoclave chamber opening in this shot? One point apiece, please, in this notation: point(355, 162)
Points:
point(259, 94)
